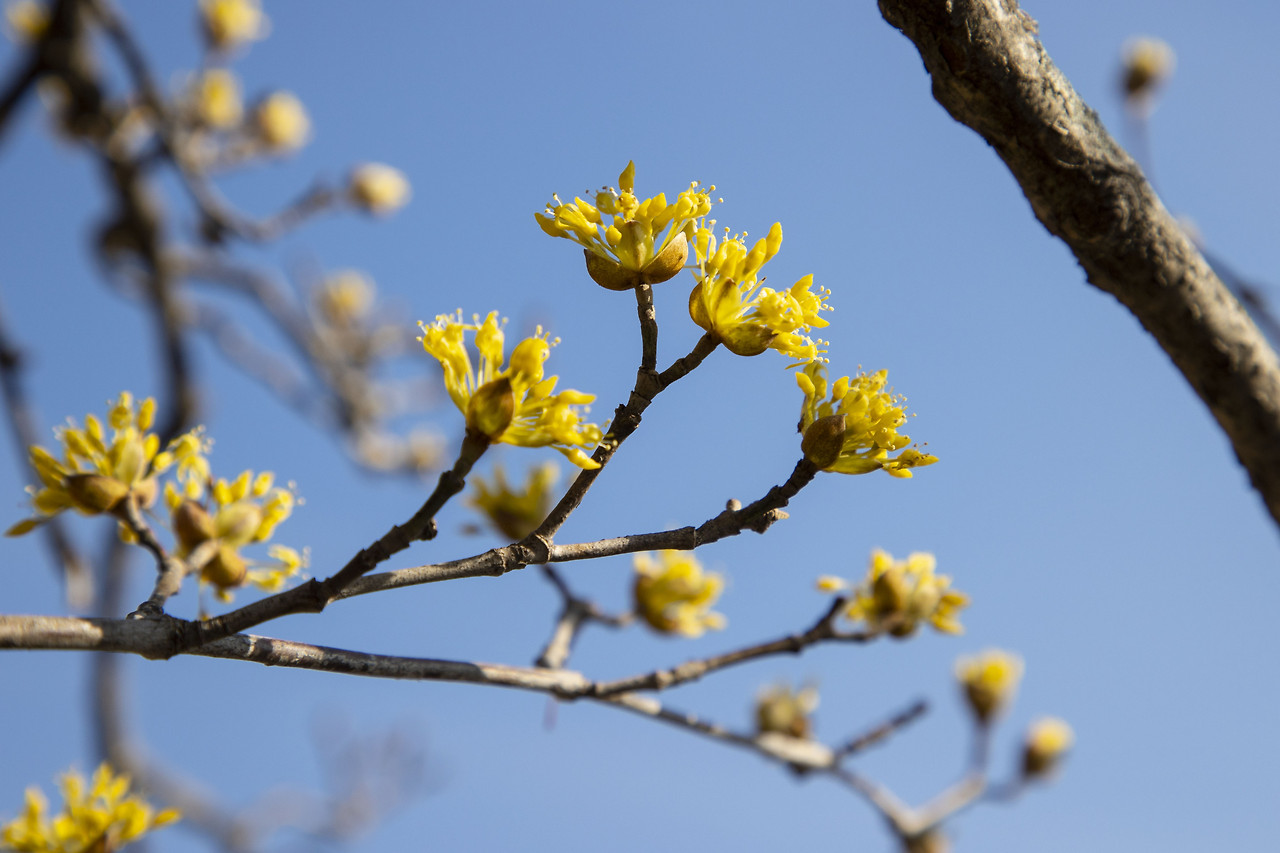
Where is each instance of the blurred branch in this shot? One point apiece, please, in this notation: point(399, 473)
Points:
point(878, 733)
point(574, 615)
point(70, 565)
point(991, 73)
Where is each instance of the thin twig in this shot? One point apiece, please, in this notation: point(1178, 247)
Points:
point(757, 516)
point(878, 733)
point(661, 679)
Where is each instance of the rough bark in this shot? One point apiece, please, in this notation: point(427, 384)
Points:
point(991, 73)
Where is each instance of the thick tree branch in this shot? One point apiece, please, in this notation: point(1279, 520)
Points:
point(991, 73)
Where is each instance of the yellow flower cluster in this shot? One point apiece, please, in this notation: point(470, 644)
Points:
point(515, 404)
point(989, 680)
point(99, 819)
point(640, 242)
point(516, 514)
point(674, 595)
point(786, 711)
point(902, 594)
point(96, 474)
point(855, 430)
point(240, 513)
point(731, 303)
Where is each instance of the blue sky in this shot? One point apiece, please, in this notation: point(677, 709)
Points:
point(1085, 498)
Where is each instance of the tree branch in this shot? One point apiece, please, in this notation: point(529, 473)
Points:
point(991, 73)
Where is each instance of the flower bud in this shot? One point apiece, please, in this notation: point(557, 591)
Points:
point(192, 525)
point(378, 189)
point(491, 408)
point(823, 440)
point(95, 493)
point(226, 569)
point(779, 709)
point(282, 121)
point(989, 681)
point(1048, 740)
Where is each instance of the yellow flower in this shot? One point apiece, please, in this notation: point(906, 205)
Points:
point(730, 302)
point(903, 593)
point(95, 476)
point(242, 512)
point(344, 298)
point(512, 405)
point(378, 189)
point(989, 681)
point(627, 241)
point(217, 99)
point(1048, 741)
point(855, 430)
point(282, 121)
point(785, 711)
point(516, 514)
point(674, 595)
point(231, 23)
point(26, 20)
point(100, 820)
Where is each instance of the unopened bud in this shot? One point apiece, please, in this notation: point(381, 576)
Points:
point(1048, 740)
point(823, 440)
point(226, 569)
point(95, 493)
point(192, 525)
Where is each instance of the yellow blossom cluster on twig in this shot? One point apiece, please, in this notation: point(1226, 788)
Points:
point(97, 817)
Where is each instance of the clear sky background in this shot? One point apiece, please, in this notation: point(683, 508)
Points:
point(1085, 499)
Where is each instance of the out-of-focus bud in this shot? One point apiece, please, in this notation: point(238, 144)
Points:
point(1148, 63)
point(1048, 741)
point(491, 408)
point(378, 189)
point(192, 525)
point(282, 122)
point(344, 297)
point(95, 493)
point(217, 99)
point(782, 710)
point(227, 569)
point(989, 681)
point(227, 24)
point(823, 440)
